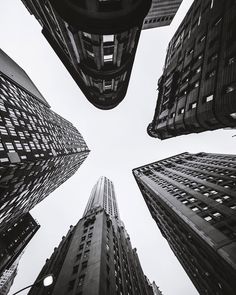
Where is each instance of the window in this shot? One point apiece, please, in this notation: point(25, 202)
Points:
point(206, 194)
point(90, 54)
point(87, 35)
point(230, 88)
point(198, 70)
point(108, 57)
point(88, 244)
point(202, 38)
point(192, 105)
point(208, 98)
point(75, 269)
point(78, 257)
point(233, 115)
point(208, 218)
point(231, 60)
point(71, 285)
point(195, 209)
point(217, 214)
point(219, 200)
point(217, 22)
point(108, 38)
point(210, 74)
point(196, 84)
point(81, 280)
point(213, 57)
point(181, 111)
point(84, 265)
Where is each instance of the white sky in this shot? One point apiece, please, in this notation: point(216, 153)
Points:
point(118, 143)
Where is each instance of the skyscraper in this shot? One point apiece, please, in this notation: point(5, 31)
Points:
point(96, 256)
point(14, 240)
point(192, 198)
point(197, 88)
point(39, 149)
point(161, 13)
point(7, 278)
point(96, 41)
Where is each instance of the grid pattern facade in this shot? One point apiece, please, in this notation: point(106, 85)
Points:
point(39, 149)
point(197, 88)
point(100, 55)
point(98, 259)
point(161, 13)
point(192, 198)
point(103, 195)
point(14, 240)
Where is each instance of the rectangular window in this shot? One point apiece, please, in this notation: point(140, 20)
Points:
point(208, 98)
point(193, 105)
point(108, 38)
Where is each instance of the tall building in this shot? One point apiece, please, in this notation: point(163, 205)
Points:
point(197, 88)
point(96, 256)
point(192, 198)
point(156, 290)
point(14, 240)
point(8, 276)
point(39, 149)
point(95, 40)
point(161, 13)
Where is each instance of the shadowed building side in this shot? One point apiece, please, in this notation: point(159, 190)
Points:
point(197, 88)
point(14, 240)
point(96, 41)
point(192, 198)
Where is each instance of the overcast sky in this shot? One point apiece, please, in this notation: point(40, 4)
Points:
point(118, 142)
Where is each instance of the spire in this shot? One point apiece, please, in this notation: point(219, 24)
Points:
point(103, 195)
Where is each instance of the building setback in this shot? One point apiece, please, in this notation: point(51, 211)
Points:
point(95, 40)
point(161, 13)
point(197, 88)
point(96, 256)
point(192, 198)
point(14, 240)
point(39, 149)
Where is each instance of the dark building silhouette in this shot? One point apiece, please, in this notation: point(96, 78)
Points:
point(192, 198)
point(39, 149)
point(14, 240)
point(95, 40)
point(161, 13)
point(96, 256)
point(197, 88)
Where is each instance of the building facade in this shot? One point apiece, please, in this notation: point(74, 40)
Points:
point(96, 257)
point(161, 13)
point(96, 41)
point(14, 240)
point(7, 278)
point(197, 88)
point(192, 198)
point(39, 149)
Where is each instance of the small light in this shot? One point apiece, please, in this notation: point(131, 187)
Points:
point(48, 280)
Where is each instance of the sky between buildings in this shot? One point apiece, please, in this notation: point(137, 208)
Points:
point(118, 142)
